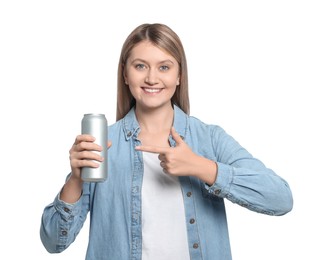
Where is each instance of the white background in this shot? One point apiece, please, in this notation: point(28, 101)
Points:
point(252, 69)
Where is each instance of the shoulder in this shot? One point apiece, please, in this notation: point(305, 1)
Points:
point(198, 124)
point(208, 133)
point(185, 121)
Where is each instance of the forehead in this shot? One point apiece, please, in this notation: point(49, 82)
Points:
point(146, 50)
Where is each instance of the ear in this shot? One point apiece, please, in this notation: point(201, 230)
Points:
point(178, 81)
point(125, 78)
point(124, 75)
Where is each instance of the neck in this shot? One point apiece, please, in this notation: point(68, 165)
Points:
point(155, 120)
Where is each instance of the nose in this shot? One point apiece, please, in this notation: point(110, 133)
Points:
point(151, 77)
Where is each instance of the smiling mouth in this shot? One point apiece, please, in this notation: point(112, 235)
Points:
point(152, 90)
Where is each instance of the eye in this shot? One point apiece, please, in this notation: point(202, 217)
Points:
point(164, 68)
point(140, 66)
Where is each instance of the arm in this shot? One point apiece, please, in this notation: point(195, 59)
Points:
point(230, 173)
point(63, 219)
point(245, 180)
point(61, 222)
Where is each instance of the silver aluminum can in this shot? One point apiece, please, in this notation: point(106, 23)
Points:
point(96, 125)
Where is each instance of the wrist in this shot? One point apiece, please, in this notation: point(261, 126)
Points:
point(207, 171)
point(75, 178)
point(72, 189)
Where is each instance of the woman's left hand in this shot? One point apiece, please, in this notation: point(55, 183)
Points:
point(182, 161)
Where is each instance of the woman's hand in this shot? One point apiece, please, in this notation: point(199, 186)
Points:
point(82, 154)
point(181, 161)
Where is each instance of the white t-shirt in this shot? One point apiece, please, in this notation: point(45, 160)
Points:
point(164, 232)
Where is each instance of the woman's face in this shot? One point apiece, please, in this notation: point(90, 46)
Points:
point(152, 76)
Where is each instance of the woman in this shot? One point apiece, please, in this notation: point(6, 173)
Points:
point(168, 172)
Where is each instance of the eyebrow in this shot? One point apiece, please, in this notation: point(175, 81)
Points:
point(144, 61)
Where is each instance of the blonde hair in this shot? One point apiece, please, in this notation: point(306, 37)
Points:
point(164, 38)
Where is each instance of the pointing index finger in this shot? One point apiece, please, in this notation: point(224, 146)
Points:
point(151, 149)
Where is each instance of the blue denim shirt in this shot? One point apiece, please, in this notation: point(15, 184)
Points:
point(115, 205)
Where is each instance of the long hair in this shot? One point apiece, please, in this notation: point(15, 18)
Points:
point(164, 38)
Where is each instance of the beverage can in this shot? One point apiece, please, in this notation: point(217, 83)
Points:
point(96, 125)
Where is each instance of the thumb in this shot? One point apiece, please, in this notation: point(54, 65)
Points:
point(176, 136)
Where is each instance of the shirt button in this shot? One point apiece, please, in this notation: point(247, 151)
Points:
point(217, 192)
point(192, 221)
point(67, 210)
point(129, 134)
point(243, 204)
point(189, 193)
point(64, 233)
point(195, 245)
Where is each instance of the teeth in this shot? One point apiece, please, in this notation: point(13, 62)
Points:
point(152, 90)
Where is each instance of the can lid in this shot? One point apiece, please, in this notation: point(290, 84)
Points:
point(94, 114)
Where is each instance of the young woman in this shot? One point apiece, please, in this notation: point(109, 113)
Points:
point(168, 172)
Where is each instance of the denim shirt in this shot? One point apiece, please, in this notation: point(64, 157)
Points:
point(115, 205)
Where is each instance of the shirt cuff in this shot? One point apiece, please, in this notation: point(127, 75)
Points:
point(67, 210)
point(222, 184)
